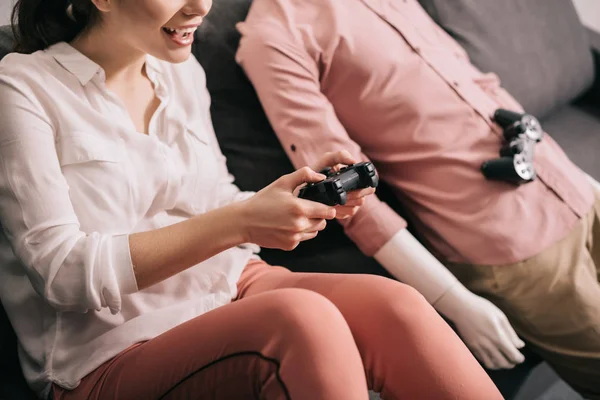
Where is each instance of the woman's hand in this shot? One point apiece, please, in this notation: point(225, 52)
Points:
point(276, 218)
point(336, 160)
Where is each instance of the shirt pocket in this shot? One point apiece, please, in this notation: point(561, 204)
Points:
point(99, 180)
point(85, 148)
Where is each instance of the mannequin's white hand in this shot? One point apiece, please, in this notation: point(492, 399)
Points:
point(483, 327)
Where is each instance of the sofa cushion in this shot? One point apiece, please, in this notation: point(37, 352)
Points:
point(576, 128)
point(539, 48)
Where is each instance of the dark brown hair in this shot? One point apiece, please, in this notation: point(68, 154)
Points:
point(38, 24)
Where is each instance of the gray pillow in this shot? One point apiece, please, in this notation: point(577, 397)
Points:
point(539, 48)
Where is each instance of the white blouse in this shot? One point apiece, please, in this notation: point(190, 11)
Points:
point(76, 179)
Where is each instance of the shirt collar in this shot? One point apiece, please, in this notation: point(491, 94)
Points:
point(74, 62)
point(82, 67)
point(152, 64)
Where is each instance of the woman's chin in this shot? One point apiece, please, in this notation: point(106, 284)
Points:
point(180, 56)
point(174, 56)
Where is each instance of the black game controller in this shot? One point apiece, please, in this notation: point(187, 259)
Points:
point(333, 190)
point(515, 164)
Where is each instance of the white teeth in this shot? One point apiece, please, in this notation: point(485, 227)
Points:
point(180, 31)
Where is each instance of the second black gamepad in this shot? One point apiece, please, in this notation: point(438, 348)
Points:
point(333, 190)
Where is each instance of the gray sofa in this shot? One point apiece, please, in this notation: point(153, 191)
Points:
point(538, 47)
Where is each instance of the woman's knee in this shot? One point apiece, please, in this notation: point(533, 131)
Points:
point(391, 299)
point(386, 290)
point(314, 344)
point(303, 312)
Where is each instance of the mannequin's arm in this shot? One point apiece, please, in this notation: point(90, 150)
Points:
point(411, 263)
point(484, 328)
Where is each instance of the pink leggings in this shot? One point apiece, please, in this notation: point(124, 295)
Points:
point(299, 336)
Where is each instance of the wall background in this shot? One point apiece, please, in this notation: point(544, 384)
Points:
point(589, 11)
point(5, 9)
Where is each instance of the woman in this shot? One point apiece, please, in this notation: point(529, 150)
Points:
point(134, 280)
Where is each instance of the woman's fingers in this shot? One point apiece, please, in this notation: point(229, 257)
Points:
point(316, 225)
point(355, 200)
point(354, 203)
point(332, 159)
point(312, 209)
point(344, 212)
point(308, 235)
point(359, 194)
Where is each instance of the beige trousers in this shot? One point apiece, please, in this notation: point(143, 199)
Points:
point(553, 301)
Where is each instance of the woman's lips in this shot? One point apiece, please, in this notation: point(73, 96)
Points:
point(181, 36)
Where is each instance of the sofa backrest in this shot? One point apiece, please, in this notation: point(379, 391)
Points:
point(255, 156)
point(6, 40)
point(539, 48)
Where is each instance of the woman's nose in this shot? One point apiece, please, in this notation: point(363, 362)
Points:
point(198, 7)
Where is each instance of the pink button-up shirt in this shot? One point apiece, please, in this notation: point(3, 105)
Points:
point(381, 79)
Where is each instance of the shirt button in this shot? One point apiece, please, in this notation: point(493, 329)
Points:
point(456, 84)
